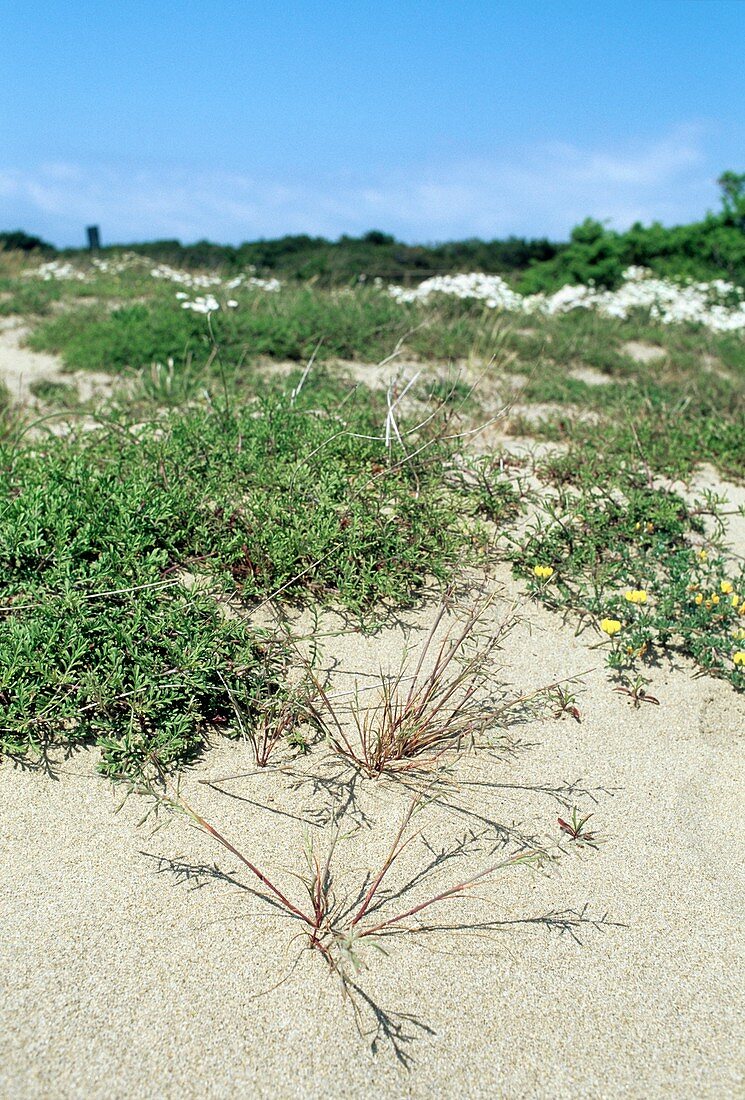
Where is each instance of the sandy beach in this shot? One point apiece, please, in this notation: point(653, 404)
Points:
point(372, 551)
point(140, 964)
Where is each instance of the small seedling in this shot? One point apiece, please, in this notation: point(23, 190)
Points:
point(637, 692)
point(298, 742)
point(576, 830)
point(566, 703)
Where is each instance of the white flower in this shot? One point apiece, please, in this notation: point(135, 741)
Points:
point(708, 304)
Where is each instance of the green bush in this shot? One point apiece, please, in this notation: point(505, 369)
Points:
point(101, 638)
point(710, 249)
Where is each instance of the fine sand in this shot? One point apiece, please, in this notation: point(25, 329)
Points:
point(141, 964)
point(137, 964)
point(20, 368)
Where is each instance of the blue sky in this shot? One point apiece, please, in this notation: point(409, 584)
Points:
point(235, 119)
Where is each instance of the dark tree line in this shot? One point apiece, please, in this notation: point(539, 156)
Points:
point(711, 248)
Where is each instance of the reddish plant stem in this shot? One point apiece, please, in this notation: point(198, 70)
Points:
point(393, 854)
point(252, 867)
point(449, 893)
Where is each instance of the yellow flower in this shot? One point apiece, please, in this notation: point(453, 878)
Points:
point(699, 599)
point(543, 572)
point(735, 601)
point(707, 605)
point(714, 598)
point(739, 634)
point(636, 595)
point(703, 555)
point(610, 626)
point(739, 658)
point(725, 587)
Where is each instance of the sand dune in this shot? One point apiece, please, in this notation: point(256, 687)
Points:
point(133, 968)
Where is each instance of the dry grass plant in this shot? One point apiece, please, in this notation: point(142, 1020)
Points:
point(277, 722)
point(334, 925)
point(446, 702)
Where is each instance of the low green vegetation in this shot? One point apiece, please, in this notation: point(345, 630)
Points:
point(143, 673)
point(611, 523)
point(293, 325)
point(635, 564)
point(62, 394)
point(636, 408)
point(683, 406)
point(137, 541)
point(102, 534)
point(27, 298)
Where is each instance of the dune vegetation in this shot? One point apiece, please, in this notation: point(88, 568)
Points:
point(213, 473)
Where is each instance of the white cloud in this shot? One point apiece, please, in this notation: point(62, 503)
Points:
point(647, 166)
point(533, 191)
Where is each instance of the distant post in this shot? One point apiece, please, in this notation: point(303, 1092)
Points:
point(94, 238)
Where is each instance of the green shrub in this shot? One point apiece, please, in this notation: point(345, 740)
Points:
point(101, 638)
